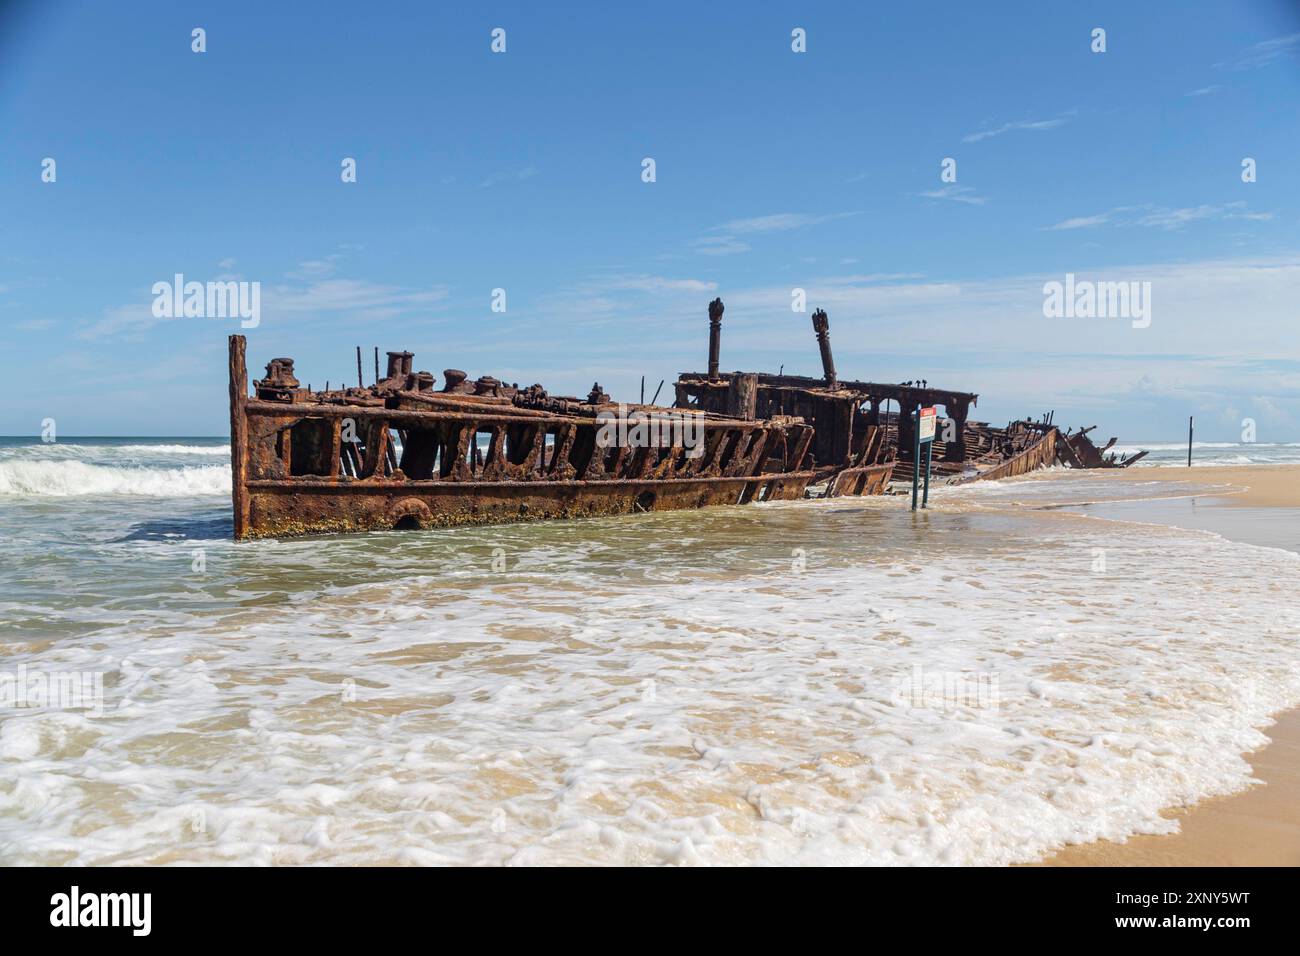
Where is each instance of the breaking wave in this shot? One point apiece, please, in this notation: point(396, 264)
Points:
point(70, 478)
point(60, 451)
point(223, 450)
point(1223, 454)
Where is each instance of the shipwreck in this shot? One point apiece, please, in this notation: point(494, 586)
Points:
point(400, 453)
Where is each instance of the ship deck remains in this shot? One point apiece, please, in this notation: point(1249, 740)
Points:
point(398, 454)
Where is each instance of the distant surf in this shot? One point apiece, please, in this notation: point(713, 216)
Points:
point(1209, 453)
point(96, 467)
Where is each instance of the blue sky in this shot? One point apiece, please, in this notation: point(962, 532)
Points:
point(775, 170)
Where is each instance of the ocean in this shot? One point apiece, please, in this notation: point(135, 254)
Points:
point(1028, 663)
point(1211, 453)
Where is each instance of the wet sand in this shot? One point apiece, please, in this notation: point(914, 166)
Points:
point(1260, 486)
point(1260, 826)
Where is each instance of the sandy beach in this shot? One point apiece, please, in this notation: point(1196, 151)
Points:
point(1259, 486)
point(1257, 827)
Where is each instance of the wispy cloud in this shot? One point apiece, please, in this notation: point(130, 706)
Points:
point(1263, 54)
point(313, 268)
point(871, 277)
point(357, 299)
point(724, 240)
point(996, 340)
point(1162, 217)
point(508, 176)
point(955, 193)
point(719, 246)
point(779, 222)
point(1081, 222)
point(1011, 127)
point(654, 284)
point(308, 291)
point(1205, 90)
point(34, 325)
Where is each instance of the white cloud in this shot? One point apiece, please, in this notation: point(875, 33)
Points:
point(316, 268)
point(724, 239)
point(955, 193)
point(34, 325)
point(1263, 54)
point(1221, 333)
point(358, 299)
point(719, 246)
point(1193, 304)
point(1163, 217)
point(1010, 127)
point(322, 297)
point(508, 176)
point(1081, 222)
point(655, 284)
point(779, 222)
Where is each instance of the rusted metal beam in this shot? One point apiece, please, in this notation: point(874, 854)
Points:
point(238, 434)
point(822, 326)
point(715, 337)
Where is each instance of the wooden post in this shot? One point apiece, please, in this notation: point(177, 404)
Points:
point(1189, 441)
point(360, 381)
point(376, 364)
point(238, 436)
point(742, 395)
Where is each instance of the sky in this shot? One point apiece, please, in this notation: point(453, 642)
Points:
point(774, 170)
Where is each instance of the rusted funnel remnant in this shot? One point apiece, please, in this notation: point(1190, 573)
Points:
point(715, 337)
point(822, 326)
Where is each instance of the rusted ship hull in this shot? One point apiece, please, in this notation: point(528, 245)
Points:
point(391, 457)
point(398, 454)
point(1042, 453)
point(275, 510)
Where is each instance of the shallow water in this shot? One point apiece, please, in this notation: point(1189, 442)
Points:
point(835, 681)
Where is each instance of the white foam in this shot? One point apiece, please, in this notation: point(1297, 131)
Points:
point(735, 712)
point(1212, 453)
point(218, 450)
point(106, 453)
point(61, 479)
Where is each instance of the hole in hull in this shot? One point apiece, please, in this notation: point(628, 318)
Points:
point(645, 501)
point(407, 523)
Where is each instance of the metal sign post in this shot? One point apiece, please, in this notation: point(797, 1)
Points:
point(923, 425)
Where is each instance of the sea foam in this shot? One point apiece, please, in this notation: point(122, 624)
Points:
point(68, 478)
point(738, 686)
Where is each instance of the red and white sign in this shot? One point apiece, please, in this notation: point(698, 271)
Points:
point(928, 417)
